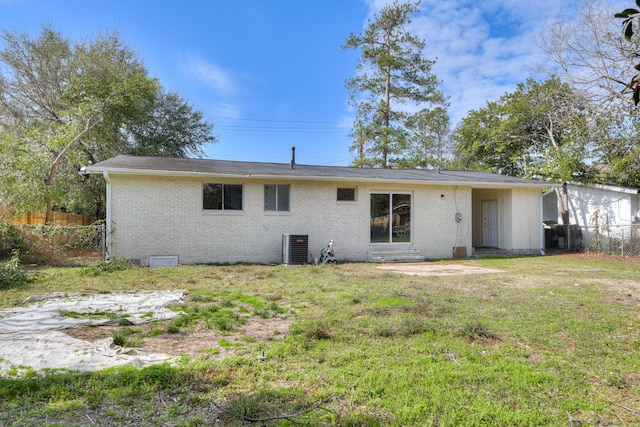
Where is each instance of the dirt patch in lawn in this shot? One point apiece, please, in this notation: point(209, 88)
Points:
point(435, 269)
point(193, 342)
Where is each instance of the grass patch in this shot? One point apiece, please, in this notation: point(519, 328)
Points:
point(99, 268)
point(107, 314)
point(552, 341)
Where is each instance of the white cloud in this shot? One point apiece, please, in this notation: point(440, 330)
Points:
point(483, 48)
point(225, 100)
point(225, 110)
point(210, 74)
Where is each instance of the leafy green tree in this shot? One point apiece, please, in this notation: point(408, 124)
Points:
point(53, 95)
point(391, 72)
point(168, 126)
point(428, 139)
point(541, 129)
point(64, 104)
point(617, 152)
point(172, 128)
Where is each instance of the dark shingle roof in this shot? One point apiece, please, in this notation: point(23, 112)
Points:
point(206, 167)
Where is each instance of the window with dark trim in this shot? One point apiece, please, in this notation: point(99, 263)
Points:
point(346, 194)
point(276, 197)
point(222, 197)
point(390, 218)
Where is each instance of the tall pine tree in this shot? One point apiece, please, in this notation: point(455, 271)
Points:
point(391, 73)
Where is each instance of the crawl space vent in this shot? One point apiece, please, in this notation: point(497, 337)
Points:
point(163, 261)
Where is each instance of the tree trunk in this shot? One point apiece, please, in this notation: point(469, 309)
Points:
point(48, 215)
point(361, 141)
point(387, 110)
point(54, 166)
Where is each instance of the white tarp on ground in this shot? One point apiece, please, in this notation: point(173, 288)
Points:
point(30, 336)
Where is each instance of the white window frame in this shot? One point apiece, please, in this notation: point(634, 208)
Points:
point(276, 208)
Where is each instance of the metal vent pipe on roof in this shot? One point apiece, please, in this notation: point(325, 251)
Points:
point(293, 157)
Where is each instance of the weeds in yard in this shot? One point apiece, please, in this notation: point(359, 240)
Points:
point(616, 380)
point(96, 314)
point(227, 303)
point(123, 338)
point(105, 267)
point(552, 341)
point(475, 330)
point(154, 332)
point(244, 406)
point(262, 313)
point(225, 344)
point(224, 320)
point(172, 328)
point(202, 298)
point(313, 329)
point(413, 325)
point(383, 329)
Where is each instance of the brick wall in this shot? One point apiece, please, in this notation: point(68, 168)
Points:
point(164, 216)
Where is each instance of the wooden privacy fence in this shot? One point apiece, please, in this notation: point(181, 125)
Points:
point(57, 218)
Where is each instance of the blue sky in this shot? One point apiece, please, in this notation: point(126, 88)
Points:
point(270, 74)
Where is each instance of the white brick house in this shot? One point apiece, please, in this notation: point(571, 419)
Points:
point(211, 211)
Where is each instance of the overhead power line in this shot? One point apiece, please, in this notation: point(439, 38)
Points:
point(280, 126)
point(278, 129)
point(278, 121)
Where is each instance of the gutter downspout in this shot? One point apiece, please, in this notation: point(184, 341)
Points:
point(107, 240)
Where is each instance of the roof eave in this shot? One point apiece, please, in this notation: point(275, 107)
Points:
point(616, 188)
point(476, 184)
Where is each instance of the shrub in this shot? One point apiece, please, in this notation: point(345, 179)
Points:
point(10, 239)
point(11, 275)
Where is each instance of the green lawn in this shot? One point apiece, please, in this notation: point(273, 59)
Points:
point(551, 341)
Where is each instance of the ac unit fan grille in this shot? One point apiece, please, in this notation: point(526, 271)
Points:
point(295, 248)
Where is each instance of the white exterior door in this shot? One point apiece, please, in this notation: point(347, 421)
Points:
point(489, 223)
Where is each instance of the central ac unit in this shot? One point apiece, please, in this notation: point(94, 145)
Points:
point(295, 248)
